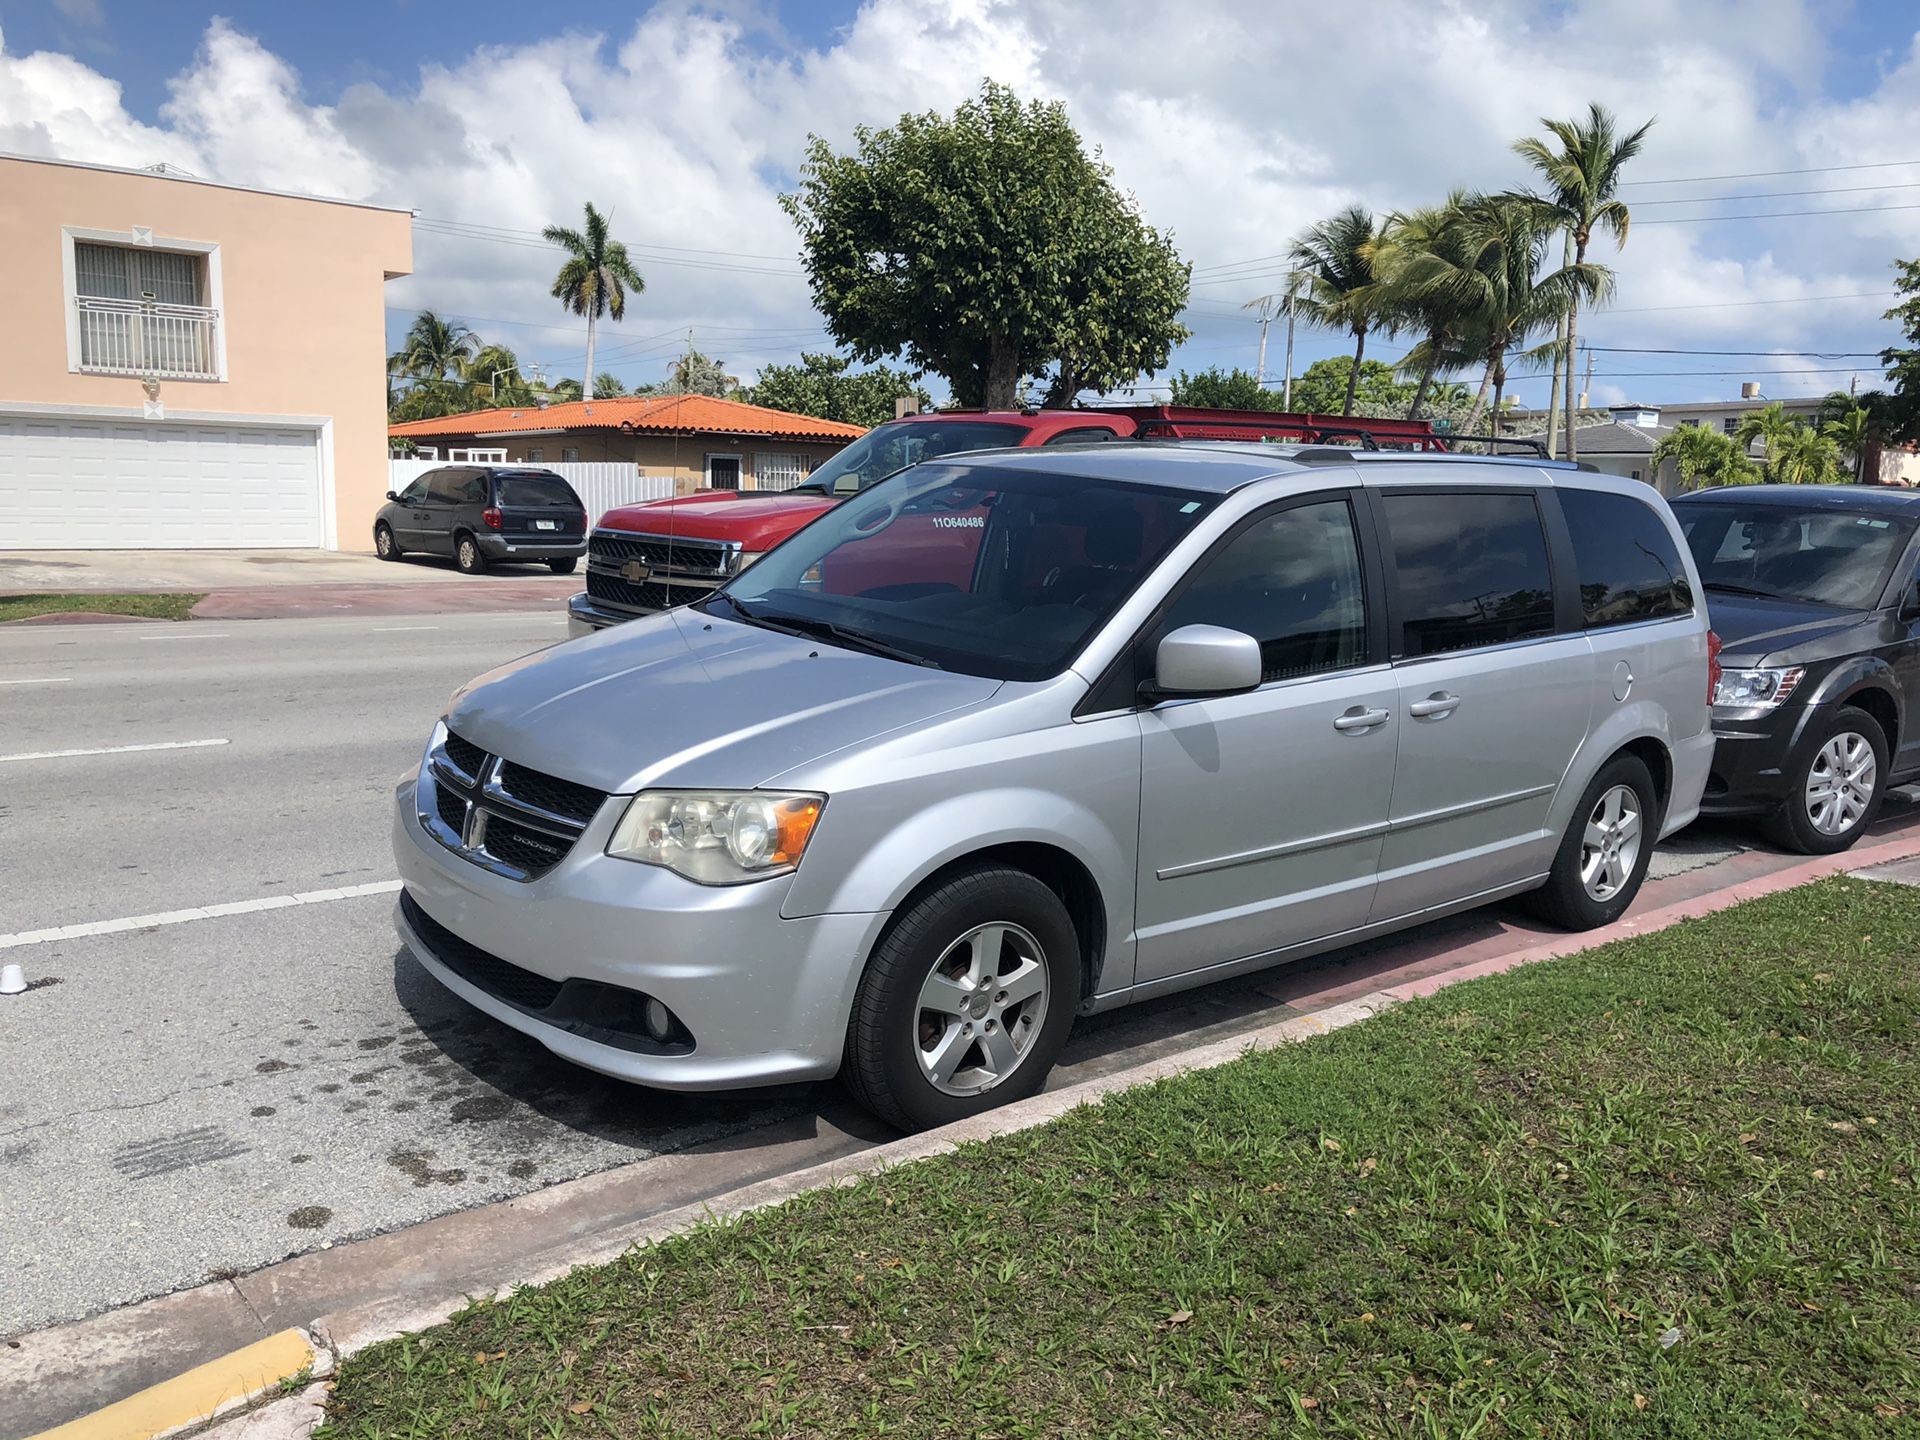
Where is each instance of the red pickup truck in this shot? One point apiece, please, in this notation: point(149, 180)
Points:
point(642, 558)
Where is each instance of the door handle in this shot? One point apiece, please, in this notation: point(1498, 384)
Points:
point(1359, 719)
point(1436, 706)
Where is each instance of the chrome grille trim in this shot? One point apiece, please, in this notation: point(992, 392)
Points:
point(495, 824)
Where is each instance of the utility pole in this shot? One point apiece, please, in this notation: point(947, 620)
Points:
point(1266, 319)
point(1286, 398)
point(1586, 389)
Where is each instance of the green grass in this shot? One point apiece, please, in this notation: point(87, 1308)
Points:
point(1666, 1188)
point(155, 607)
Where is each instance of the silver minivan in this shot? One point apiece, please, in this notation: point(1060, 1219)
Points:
point(1018, 736)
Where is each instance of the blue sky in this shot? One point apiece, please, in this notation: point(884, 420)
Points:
point(493, 119)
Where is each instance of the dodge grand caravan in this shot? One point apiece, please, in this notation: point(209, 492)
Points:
point(1023, 735)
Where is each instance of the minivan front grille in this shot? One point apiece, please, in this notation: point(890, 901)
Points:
point(503, 817)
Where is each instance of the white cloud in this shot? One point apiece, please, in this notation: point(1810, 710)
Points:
point(1233, 125)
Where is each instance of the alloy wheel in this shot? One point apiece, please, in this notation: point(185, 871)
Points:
point(1610, 846)
point(1840, 783)
point(383, 542)
point(469, 555)
point(981, 1008)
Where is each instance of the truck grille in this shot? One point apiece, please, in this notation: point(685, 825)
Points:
point(612, 590)
point(503, 817)
point(671, 570)
point(708, 557)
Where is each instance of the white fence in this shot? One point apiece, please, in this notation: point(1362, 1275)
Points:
point(603, 486)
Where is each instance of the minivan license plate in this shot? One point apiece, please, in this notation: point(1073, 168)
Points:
point(546, 524)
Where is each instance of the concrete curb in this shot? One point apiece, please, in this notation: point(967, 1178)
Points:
point(205, 1393)
point(347, 1332)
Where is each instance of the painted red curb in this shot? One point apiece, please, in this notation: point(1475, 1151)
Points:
point(1653, 921)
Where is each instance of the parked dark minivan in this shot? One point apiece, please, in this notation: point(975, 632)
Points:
point(483, 515)
point(1813, 592)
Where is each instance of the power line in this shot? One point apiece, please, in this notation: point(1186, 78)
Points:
point(1777, 214)
point(1741, 304)
point(1775, 194)
point(1773, 354)
point(1770, 174)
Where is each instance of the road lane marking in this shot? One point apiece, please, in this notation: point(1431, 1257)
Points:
point(48, 680)
point(201, 912)
point(188, 635)
point(396, 629)
point(112, 750)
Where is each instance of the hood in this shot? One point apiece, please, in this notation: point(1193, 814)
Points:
point(757, 519)
point(1753, 630)
point(682, 699)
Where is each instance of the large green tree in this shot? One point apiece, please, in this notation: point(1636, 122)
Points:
point(1332, 386)
point(1334, 259)
point(695, 374)
point(597, 275)
point(826, 387)
point(1416, 259)
point(1234, 389)
point(1704, 457)
point(434, 349)
point(1900, 412)
point(987, 247)
point(1579, 165)
point(1771, 425)
point(1805, 457)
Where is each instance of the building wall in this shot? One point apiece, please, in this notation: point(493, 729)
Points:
point(301, 304)
point(682, 457)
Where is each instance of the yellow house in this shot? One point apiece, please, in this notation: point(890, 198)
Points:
point(189, 364)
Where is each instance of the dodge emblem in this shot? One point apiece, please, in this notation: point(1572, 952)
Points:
point(636, 571)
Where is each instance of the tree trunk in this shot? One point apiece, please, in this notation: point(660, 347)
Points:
point(1479, 401)
point(1003, 375)
point(1426, 381)
point(1066, 385)
point(1573, 349)
point(1561, 367)
point(1499, 397)
point(1353, 375)
point(586, 390)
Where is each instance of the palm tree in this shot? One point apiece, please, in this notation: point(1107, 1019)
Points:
point(1806, 457)
point(608, 386)
point(1703, 457)
point(434, 349)
point(1337, 282)
point(1417, 258)
point(1770, 425)
point(495, 369)
point(597, 276)
point(1582, 179)
point(1853, 431)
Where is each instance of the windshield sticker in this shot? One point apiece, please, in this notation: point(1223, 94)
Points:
point(1874, 524)
point(1189, 507)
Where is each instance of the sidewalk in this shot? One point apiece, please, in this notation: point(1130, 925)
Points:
point(276, 584)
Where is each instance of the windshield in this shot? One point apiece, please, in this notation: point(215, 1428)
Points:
point(534, 490)
point(888, 448)
point(1824, 557)
point(971, 568)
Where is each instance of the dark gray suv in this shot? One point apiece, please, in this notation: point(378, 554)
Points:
point(483, 515)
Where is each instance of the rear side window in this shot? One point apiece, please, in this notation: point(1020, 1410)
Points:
point(1630, 569)
point(1470, 570)
point(534, 491)
point(1084, 435)
point(446, 485)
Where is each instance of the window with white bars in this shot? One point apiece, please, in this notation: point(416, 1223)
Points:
point(143, 311)
point(774, 470)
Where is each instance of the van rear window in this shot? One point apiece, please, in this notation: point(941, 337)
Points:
point(534, 490)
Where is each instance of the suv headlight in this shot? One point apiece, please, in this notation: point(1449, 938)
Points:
point(1757, 689)
point(717, 837)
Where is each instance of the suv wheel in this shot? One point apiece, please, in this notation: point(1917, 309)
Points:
point(562, 567)
point(1603, 856)
point(966, 1002)
point(1835, 782)
point(384, 544)
point(466, 555)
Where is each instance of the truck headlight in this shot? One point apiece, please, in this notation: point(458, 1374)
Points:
point(746, 558)
point(1760, 689)
point(717, 837)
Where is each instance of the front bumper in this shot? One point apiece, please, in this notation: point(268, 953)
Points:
point(584, 616)
point(496, 546)
point(766, 998)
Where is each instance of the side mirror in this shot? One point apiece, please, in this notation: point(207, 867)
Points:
point(392, 496)
point(1206, 660)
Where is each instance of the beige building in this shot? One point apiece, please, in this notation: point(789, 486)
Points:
point(190, 364)
point(701, 442)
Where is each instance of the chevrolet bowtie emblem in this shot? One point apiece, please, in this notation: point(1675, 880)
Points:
point(635, 570)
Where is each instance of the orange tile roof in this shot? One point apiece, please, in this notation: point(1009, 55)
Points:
point(660, 414)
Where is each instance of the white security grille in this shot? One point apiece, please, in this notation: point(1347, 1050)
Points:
point(778, 471)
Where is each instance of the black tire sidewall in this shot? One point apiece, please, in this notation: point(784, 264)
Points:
point(1791, 825)
point(1565, 898)
point(880, 1058)
point(562, 567)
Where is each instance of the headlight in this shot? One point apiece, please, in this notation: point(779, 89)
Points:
point(747, 558)
point(717, 837)
point(1757, 689)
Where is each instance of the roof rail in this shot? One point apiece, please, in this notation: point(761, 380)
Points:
point(1525, 442)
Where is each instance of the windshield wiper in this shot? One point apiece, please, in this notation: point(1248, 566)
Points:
point(855, 639)
point(1756, 593)
point(738, 608)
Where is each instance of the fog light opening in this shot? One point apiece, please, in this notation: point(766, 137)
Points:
point(659, 1021)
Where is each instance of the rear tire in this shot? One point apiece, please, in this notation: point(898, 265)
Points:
point(562, 567)
point(1603, 857)
point(384, 545)
point(467, 556)
point(1836, 780)
point(966, 1002)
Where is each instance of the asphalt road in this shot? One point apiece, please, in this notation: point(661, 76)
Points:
point(188, 1100)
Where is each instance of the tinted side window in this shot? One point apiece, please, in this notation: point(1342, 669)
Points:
point(414, 493)
point(445, 485)
point(1629, 566)
point(1472, 570)
point(1293, 582)
point(1084, 435)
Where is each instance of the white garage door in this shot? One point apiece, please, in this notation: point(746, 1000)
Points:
point(114, 484)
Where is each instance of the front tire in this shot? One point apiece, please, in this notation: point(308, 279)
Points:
point(1603, 857)
point(562, 567)
point(967, 1001)
point(1836, 782)
point(384, 545)
point(467, 556)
